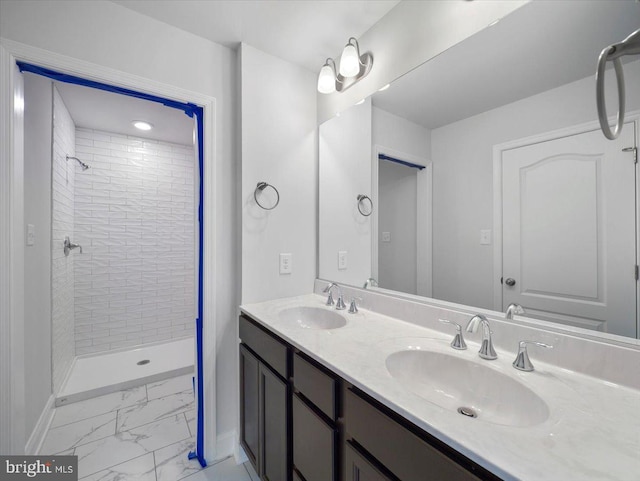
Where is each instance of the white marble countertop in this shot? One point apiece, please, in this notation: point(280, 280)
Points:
point(593, 428)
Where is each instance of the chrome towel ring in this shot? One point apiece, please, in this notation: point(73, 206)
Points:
point(361, 200)
point(629, 46)
point(259, 188)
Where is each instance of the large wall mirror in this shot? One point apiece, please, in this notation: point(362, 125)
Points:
point(489, 178)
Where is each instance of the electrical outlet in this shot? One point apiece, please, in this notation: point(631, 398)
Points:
point(342, 260)
point(286, 264)
point(485, 237)
point(31, 234)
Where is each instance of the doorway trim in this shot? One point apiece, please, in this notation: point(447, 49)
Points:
point(12, 241)
point(498, 150)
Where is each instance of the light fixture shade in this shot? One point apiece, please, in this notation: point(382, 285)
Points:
point(327, 79)
point(350, 61)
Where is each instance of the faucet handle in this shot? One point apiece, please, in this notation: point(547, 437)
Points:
point(340, 303)
point(353, 307)
point(458, 340)
point(522, 361)
point(330, 301)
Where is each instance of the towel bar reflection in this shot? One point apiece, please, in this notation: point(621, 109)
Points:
point(261, 187)
point(362, 200)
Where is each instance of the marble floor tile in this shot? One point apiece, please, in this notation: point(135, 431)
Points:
point(126, 445)
point(170, 386)
point(252, 472)
point(138, 469)
point(190, 415)
point(226, 470)
point(75, 434)
point(144, 413)
point(172, 462)
point(98, 405)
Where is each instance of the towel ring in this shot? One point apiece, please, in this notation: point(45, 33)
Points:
point(361, 198)
point(629, 46)
point(260, 187)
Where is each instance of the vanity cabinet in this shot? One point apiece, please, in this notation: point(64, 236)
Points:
point(299, 421)
point(265, 398)
point(315, 412)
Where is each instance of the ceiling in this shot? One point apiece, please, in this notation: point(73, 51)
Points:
point(110, 112)
point(303, 32)
point(540, 46)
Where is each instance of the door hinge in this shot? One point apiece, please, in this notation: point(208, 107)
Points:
point(637, 272)
point(635, 153)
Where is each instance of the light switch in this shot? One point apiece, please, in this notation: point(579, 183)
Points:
point(485, 237)
point(31, 234)
point(286, 264)
point(342, 260)
point(386, 237)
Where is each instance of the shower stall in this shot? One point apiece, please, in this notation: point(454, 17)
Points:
point(123, 243)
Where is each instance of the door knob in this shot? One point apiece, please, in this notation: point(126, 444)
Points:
point(510, 282)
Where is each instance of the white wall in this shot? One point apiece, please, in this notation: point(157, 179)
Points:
point(345, 172)
point(135, 219)
point(409, 35)
point(62, 267)
point(38, 117)
point(169, 56)
point(279, 146)
point(462, 155)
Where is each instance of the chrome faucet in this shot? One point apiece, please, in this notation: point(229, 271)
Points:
point(340, 302)
point(513, 309)
point(371, 282)
point(353, 307)
point(522, 361)
point(486, 348)
point(68, 246)
point(458, 340)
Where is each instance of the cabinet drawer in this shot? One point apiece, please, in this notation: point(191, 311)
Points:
point(314, 444)
point(405, 454)
point(317, 385)
point(357, 468)
point(270, 349)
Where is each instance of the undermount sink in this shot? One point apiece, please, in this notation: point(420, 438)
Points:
point(467, 387)
point(312, 318)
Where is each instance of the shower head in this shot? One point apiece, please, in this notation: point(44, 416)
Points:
point(82, 164)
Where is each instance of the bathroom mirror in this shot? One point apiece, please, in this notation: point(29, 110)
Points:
point(490, 180)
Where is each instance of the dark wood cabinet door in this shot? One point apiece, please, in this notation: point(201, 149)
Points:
point(250, 406)
point(274, 402)
point(314, 444)
point(357, 468)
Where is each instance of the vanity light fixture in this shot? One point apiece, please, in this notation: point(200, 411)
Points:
point(142, 125)
point(352, 68)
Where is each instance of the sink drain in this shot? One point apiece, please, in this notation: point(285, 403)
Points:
point(467, 412)
point(143, 362)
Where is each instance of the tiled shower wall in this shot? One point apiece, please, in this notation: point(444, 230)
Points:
point(134, 217)
point(62, 268)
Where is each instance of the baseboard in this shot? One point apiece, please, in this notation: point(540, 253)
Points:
point(225, 444)
point(240, 455)
point(34, 443)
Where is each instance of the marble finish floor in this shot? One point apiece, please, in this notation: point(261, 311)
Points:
point(139, 434)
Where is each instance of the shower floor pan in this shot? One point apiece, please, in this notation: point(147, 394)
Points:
point(98, 374)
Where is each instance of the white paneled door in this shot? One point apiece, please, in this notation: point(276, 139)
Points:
point(569, 231)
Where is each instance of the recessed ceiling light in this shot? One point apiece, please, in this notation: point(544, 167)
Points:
point(382, 89)
point(142, 125)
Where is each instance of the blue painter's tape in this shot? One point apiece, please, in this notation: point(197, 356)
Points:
point(398, 161)
point(191, 110)
point(188, 108)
